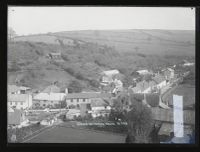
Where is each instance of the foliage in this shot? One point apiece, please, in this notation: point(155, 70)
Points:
point(140, 122)
point(63, 104)
point(153, 99)
point(94, 83)
point(75, 87)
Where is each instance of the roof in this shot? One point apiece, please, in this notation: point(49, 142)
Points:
point(55, 53)
point(10, 109)
point(110, 72)
point(159, 78)
point(88, 95)
point(13, 88)
point(98, 103)
point(142, 71)
point(169, 69)
point(51, 88)
point(18, 97)
point(49, 96)
point(143, 85)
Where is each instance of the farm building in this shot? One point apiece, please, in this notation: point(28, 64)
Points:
point(168, 73)
point(14, 89)
point(144, 87)
point(54, 55)
point(75, 99)
point(20, 101)
point(107, 77)
point(45, 100)
point(160, 81)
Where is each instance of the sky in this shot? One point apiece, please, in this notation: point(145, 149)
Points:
point(34, 20)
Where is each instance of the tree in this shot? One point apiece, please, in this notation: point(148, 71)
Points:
point(63, 104)
point(11, 33)
point(75, 87)
point(140, 122)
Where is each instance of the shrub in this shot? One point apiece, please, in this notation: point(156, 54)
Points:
point(75, 86)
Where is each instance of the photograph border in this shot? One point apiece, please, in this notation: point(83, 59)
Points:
point(53, 147)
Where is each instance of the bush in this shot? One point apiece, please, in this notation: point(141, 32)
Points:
point(94, 83)
point(75, 87)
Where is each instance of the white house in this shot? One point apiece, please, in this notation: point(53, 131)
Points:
point(20, 101)
point(13, 89)
point(160, 81)
point(75, 99)
point(188, 64)
point(48, 99)
point(107, 76)
point(142, 72)
point(169, 73)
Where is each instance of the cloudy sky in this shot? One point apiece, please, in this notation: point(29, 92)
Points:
point(33, 20)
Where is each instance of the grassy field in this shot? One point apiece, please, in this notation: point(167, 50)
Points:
point(71, 135)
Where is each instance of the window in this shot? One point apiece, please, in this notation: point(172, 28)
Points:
point(21, 103)
point(77, 100)
point(83, 100)
point(10, 103)
point(71, 100)
point(44, 104)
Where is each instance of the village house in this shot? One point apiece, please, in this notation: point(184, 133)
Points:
point(107, 76)
point(160, 81)
point(144, 87)
point(55, 55)
point(143, 72)
point(14, 89)
point(20, 101)
point(168, 73)
point(16, 117)
point(75, 99)
point(45, 100)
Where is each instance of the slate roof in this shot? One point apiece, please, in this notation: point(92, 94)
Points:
point(88, 95)
point(13, 88)
point(51, 88)
point(159, 78)
point(110, 72)
point(49, 96)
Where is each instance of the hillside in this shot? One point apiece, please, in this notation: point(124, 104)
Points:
point(170, 42)
point(87, 53)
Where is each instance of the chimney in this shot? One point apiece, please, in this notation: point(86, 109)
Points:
point(66, 91)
